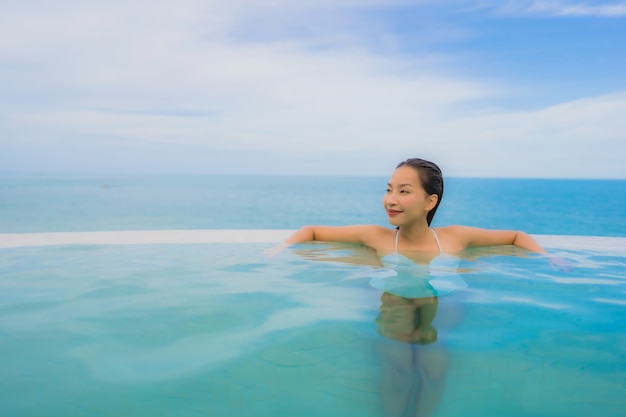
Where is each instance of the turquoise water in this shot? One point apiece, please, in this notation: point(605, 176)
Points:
point(221, 330)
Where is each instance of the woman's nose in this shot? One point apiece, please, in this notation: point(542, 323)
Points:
point(390, 198)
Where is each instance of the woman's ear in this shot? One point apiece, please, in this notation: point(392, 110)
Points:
point(432, 202)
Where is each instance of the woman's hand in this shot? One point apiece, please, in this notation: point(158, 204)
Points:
point(560, 264)
point(275, 250)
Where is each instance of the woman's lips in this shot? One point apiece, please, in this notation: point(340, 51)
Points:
point(393, 212)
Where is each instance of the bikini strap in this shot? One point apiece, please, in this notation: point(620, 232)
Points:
point(436, 238)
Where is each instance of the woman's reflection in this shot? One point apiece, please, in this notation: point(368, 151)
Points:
point(414, 366)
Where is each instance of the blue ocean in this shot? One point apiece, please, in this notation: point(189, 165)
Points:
point(57, 203)
point(112, 326)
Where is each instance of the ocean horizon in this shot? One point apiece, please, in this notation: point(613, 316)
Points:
point(35, 203)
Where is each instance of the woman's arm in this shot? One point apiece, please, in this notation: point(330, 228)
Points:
point(468, 237)
point(363, 234)
point(473, 236)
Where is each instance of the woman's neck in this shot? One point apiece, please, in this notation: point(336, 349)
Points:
point(415, 234)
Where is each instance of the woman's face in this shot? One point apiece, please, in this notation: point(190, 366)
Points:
point(406, 201)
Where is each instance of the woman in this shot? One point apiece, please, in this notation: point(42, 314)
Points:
point(424, 267)
point(413, 194)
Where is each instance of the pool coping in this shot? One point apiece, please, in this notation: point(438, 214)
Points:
point(142, 237)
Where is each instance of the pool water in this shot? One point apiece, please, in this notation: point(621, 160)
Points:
point(220, 329)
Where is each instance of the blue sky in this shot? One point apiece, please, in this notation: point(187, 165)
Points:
point(484, 88)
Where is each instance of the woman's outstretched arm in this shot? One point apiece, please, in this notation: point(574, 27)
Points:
point(473, 236)
point(348, 234)
point(364, 234)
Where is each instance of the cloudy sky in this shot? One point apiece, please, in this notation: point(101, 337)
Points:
point(495, 88)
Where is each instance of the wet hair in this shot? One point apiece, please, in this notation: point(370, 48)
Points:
point(431, 180)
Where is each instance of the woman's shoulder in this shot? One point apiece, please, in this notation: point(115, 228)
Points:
point(457, 229)
point(381, 239)
point(371, 228)
point(371, 235)
point(374, 231)
point(451, 229)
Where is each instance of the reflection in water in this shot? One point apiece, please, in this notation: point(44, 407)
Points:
point(407, 319)
point(414, 363)
point(414, 366)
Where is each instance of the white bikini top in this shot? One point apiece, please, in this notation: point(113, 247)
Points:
point(404, 277)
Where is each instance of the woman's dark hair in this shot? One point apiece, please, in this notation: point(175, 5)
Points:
point(431, 180)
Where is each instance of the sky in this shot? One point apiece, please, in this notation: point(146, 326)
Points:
point(484, 88)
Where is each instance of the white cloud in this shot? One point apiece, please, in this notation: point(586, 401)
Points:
point(578, 139)
point(560, 8)
point(167, 85)
point(121, 82)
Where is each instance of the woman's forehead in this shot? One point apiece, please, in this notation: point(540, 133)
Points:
point(405, 175)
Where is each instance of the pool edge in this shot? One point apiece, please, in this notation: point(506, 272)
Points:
point(140, 237)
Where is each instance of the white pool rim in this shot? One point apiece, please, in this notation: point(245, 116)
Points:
point(143, 237)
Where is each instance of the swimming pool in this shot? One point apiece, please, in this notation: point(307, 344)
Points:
point(202, 323)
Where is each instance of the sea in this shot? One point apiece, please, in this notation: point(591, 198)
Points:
point(120, 326)
point(72, 203)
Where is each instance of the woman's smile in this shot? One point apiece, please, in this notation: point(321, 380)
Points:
point(392, 213)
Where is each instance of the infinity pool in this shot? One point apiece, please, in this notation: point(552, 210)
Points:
point(205, 324)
